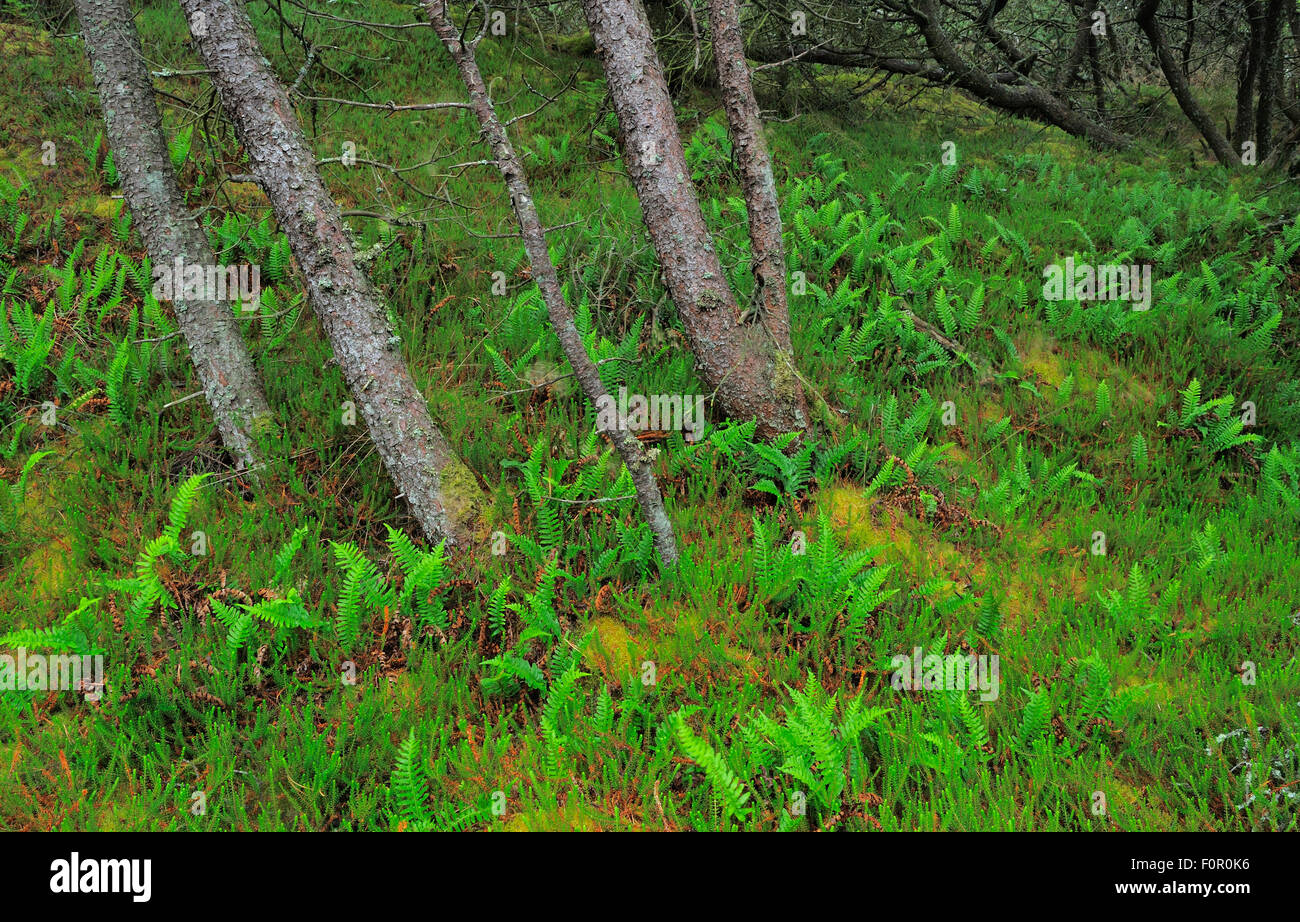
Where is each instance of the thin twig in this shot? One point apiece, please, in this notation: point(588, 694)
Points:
point(183, 399)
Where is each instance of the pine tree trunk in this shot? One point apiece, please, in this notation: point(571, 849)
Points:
point(1270, 68)
point(736, 355)
point(1078, 50)
point(548, 282)
point(168, 229)
point(766, 244)
point(1243, 126)
point(442, 492)
point(1146, 19)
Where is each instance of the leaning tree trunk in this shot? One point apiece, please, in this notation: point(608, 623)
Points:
point(169, 231)
point(1030, 99)
point(751, 373)
point(767, 247)
point(1146, 17)
point(441, 490)
point(548, 282)
point(1282, 152)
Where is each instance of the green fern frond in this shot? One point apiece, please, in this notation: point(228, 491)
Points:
point(364, 591)
point(1192, 407)
point(496, 610)
point(283, 559)
point(1103, 399)
point(179, 513)
point(1138, 452)
point(118, 410)
point(1035, 719)
point(409, 787)
point(977, 735)
point(725, 782)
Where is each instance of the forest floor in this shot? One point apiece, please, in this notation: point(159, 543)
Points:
point(1099, 500)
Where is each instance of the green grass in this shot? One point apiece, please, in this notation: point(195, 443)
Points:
point(342, 680)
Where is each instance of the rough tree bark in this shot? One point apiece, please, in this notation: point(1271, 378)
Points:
point(168, 229)
point(766, 244)
point(1029, 99)
point(1293, 19)
point(1020, 62)
point(752, 376)
point(1284, 150)
point(548, 282)
point(1094, 68)
point(442, 492)
point(1243, 126)
point(1270, 76)
point(1146, 17)
point(1189, 23)
point(1078, 50)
